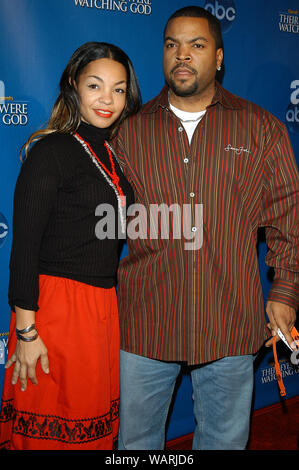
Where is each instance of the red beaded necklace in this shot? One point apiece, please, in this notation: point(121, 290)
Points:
point(112, 174)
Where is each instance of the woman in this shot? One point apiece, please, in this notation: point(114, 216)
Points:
point(61, 385)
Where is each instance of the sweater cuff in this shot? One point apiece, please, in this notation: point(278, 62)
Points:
point(20, 304)
point(285, 292)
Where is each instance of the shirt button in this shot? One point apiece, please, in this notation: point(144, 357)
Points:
point(180, 129)
point(192, 194)
point(194, 229)
point(186, 160)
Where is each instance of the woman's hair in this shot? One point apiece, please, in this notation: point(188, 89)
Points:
point(65, 116)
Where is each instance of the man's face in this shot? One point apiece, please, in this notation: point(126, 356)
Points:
point(190, 57)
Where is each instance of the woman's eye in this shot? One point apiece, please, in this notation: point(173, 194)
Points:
point(120, 90)
point(93, 86)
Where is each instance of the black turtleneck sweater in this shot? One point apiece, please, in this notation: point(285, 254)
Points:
point(54, 220)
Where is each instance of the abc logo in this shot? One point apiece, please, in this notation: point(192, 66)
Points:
point(3, 229)
point(224, 10)
point(292, 113)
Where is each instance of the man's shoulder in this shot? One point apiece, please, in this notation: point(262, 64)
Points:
point(236, 101)
point(148, 108)
point(253, 108)
point(152, 104)
point(258, 115)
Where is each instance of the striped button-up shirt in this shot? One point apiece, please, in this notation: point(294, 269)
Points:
point(200, 302)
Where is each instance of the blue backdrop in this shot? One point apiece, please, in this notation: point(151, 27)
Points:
point(261, 52)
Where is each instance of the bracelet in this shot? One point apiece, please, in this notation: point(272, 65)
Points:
point(26, 330)
point(27, 339)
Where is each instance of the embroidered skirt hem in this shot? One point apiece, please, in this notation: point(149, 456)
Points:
point(75, 406)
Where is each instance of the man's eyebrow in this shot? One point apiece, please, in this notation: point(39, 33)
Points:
point(198, 38)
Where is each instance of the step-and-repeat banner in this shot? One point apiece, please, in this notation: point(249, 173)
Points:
point(261, 57)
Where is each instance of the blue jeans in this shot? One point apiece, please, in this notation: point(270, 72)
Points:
point(222, 395)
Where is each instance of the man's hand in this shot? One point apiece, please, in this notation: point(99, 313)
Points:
point(280, 316)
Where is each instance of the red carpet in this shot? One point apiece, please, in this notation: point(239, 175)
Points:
point(273, 428)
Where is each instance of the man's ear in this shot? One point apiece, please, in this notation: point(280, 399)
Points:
point(219, 57)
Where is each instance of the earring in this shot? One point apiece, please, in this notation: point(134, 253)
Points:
point(219, 68)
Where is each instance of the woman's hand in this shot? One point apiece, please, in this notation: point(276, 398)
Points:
point(25, 358)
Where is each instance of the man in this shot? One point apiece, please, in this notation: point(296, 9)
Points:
point(197, 145)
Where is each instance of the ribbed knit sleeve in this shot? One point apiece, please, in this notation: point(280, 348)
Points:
point(34, 198)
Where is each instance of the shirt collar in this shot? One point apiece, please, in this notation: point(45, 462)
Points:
point(221, 96)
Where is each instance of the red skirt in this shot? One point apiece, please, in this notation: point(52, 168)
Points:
point(75, 406)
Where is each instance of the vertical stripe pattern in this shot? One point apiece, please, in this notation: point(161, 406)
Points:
point(201, 305)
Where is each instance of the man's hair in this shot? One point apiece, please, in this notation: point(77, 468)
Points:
point(198, 12)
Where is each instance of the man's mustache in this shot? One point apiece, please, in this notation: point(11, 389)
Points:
point(184, 66)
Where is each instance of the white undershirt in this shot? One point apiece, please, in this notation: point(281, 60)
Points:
point(188, 120)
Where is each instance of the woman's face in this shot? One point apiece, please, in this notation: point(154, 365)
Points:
point(102, 90)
